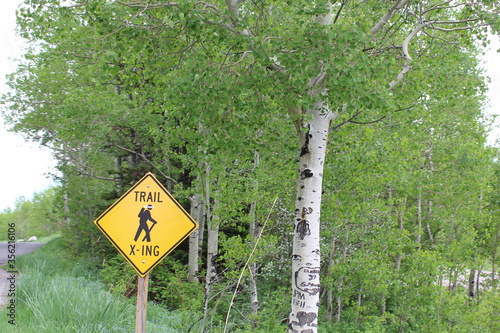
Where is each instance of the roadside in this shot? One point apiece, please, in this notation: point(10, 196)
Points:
point(4, 287)
point(20, 248)
point(63, 295)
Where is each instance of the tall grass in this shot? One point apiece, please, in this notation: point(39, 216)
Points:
point(71, 304)
point(55, 295)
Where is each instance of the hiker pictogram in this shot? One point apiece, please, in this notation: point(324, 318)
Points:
point(144, 217)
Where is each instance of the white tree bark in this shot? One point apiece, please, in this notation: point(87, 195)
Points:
point(398, 5)
point(401, 212)
point(211, 275)
point(212, 224)
point(418, 236)
point(306, 260)
point(196, 213)
point(254, 233)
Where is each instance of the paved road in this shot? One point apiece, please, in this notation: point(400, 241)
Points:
point(21, 248)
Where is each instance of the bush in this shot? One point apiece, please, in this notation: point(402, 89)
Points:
point(169, 285)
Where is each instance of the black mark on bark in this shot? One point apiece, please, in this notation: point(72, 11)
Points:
point(305, 148)
point(305, 211)
point(303, 229)
point(306, 174)
point(307, 280)
point(305, 318)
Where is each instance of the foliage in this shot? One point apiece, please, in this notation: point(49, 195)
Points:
point(119, 276)
point(40, 216)
point(195, 91)
point(169, 285)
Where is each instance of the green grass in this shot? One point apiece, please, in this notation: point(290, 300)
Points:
point(69, 304)
point(48, 238)
point(55, 294)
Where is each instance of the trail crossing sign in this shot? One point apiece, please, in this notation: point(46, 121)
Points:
point(146, 224)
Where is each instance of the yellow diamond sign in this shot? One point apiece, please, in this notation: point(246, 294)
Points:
point(146, 224)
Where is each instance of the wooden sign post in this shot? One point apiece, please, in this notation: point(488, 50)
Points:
point(142, 303)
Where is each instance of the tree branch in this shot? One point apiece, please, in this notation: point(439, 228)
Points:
point(401, 75)
point(420, 27)
point(457, 29)
point(383, 21)
point(408, 39)
point(406, 55)
point(338, 12)
point(147, 160)
point(439, 38)
point(367, 122)
point(442, 6)
point(96, 177)
point(233, 5)
point(220, 24)
point(456, 22)
point(81, 167)
point(126, 22)
point(146, 5)
point(344, 109)
point(207, 5)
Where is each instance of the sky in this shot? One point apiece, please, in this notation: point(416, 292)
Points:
point(26, 167)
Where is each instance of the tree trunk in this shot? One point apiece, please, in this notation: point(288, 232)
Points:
point(306, 259)
point(399, 256)
point(427, 225)
point(211, 276)
point(212, 224)
point(254, 233)
point(471, 290)
point(119, 178)
point(383, 304)
point(329, 292)
point(338, 314)
point(67, 219)
point(478, 284)
point(329, 305)
point(306, 239)
point(358, 307)
point(212, 250)
point(453, 279)
point(196, 213)
point(418, 236)
point(493, 262)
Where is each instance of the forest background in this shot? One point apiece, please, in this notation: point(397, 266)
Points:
point(224, 102)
